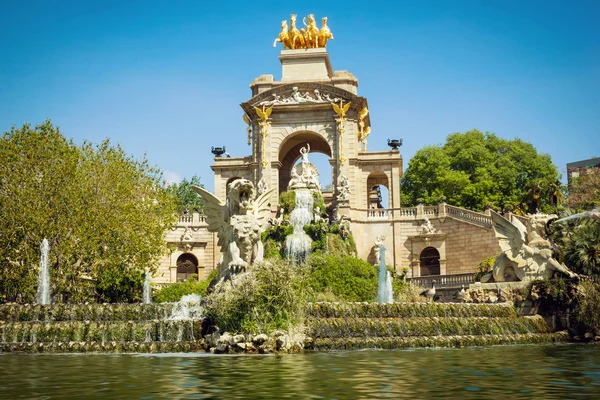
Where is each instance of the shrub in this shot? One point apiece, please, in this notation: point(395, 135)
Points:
point(484, 267)
point(348, 278)
point(175, 291)
point(273, 249)
point(588, 308)
point(268, 297)
point(287, 200)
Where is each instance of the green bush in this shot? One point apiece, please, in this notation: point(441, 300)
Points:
point(273, 249)
point(484, 267)
point(287, 200)
point(588, 307)
point(117, 284)
point(175, 291)
point(349, 278)
point(269, 297)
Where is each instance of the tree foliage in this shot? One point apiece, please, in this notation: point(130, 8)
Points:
point(474, 170)
point(187, 198)
point(584, 191)
point(348, 278)
point(103, 212)
point(579, 242)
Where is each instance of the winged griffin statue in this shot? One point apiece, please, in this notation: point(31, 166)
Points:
point(526, 253)
point(239, 223)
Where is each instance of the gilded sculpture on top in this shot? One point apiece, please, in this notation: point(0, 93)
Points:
point(308, 37)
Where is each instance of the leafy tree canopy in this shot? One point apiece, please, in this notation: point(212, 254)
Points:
point(584, 191)
point(103, 213)
point(474, 170)
point(187, 198)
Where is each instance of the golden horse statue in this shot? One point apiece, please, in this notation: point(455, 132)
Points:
point(306, 38)
point(311, 34)
point(296, 38)
point(324, 33)
point(284, 36)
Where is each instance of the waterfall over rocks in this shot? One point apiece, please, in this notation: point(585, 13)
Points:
point(298, 244)
point(305, 180)
point(189, 307)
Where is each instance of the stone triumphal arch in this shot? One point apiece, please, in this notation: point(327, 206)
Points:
point(314, 106)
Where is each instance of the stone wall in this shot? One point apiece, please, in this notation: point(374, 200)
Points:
point(190, 235)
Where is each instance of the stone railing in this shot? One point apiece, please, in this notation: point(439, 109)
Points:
point(192, 219)
point(442, 281)
point(379, 213)
point(410, 212)
point(431, 211)
point(470, 216)
point(421, 212)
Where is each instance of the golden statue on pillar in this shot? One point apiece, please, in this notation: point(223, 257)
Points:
point(362, 132)
point(248, 128)
point(264, 124)
point(309, 37)
point(341, 111)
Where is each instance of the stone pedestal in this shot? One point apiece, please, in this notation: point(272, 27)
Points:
point(305, 65)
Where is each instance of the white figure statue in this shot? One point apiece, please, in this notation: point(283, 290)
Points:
point(427, 227)
point(343, 189)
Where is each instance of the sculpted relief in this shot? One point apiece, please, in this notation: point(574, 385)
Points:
point(526, 252)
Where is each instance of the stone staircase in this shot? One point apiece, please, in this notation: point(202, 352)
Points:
point(351, 326)
point(106, 328)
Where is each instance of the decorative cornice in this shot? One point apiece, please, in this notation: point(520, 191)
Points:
point(358, 102)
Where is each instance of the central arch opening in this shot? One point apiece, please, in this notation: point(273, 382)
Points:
point(289, 154)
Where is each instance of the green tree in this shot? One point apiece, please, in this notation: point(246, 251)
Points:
point(584, 191)
point(579, 242)
point(103, 213)
point(187, 198)
point(474, 170)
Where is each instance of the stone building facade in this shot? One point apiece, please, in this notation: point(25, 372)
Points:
point(438, 240)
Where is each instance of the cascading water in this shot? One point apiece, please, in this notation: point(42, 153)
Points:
point(43, 290)
point(147, 299)
point(188, 307)
point(385, 294)
point(298, 244)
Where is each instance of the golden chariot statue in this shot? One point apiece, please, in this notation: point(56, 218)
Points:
point(309, 37)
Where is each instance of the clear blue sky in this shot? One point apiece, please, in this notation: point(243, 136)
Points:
point(166, 78)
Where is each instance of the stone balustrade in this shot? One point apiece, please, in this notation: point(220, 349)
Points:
point(192, 219)
point(442, 281)
point(421, 212)
point(470, 216)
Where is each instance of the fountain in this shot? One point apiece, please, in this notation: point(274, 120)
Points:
point(305, 179)
point(43, 291)
point(298, 244)
point(385, 294)
point(147, 298)
point(187, 308)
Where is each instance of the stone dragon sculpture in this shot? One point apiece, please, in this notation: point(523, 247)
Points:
point(526, 253)
point(239, 223)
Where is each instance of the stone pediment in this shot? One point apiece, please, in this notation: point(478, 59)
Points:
point(303, 94)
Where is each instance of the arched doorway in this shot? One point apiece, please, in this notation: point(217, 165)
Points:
point(289, 153)
point(430, 261)
point(187, 266)
point(378, 196)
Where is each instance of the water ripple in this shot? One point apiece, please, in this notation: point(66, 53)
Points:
point(518, 371)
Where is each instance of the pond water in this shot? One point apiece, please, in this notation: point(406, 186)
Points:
point(553, 371)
